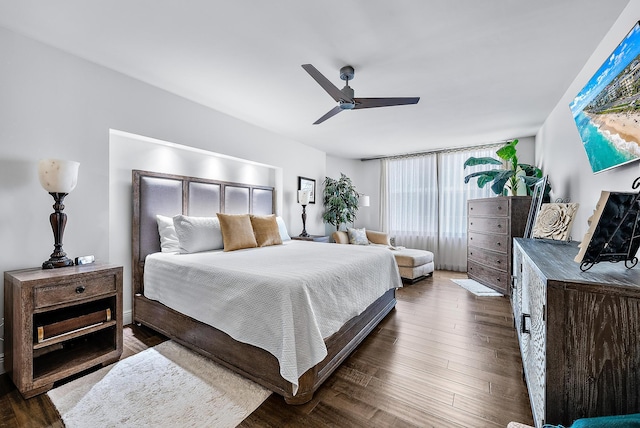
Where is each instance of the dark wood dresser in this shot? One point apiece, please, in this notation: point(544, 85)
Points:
point(578, 333)
point(492, 223)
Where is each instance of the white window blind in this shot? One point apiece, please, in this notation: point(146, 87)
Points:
point(424, 203)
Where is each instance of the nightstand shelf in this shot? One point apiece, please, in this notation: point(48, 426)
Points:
point(52, 330)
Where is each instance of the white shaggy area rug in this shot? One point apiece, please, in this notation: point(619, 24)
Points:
point(476, 288)
point(164, 386)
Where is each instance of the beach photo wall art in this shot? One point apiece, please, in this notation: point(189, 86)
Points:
point(607, 109)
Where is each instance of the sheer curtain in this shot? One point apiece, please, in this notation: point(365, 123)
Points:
point(424, 203)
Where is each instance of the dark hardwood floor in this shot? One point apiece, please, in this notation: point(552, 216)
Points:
point(442, 358)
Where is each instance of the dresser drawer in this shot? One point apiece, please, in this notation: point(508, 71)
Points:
point(496, 279)
point(489, 225)
point(73, 291)
point(499, 243)
point(498, 207)
point(492, 259)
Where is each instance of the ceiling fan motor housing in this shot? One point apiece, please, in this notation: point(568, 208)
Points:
point(347, 72)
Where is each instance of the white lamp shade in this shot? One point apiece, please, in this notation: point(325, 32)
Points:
point(364, 200)
point(58, 176)
point(303, 197)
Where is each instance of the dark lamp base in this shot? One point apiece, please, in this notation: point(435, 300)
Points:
point(57, 263)
point(303, 235)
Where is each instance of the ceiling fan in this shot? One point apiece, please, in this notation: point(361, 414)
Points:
point(345, 96)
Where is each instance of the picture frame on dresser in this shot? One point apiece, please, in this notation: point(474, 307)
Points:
point(536, 203)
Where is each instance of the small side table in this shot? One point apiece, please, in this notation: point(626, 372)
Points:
point(314, 238)
point(60, 322)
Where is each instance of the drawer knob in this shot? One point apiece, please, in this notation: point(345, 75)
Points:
point(80, 289)
point(499, 226)
point(498, 261)
point(498, 244)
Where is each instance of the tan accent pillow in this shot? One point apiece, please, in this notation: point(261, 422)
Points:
point(340, 237)
point(378, 237)
point(237, 232)
point(265, 229)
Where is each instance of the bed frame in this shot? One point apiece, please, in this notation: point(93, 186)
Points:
point(166, 194)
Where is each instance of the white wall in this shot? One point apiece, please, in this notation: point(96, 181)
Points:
point(365, 176)
point(53, 104)
point(558, 146)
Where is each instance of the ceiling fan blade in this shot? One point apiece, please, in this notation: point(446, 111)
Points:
point(331, 89)
point(329, 114)
point(384, 102)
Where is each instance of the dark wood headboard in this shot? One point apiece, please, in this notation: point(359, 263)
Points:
point(167, 194)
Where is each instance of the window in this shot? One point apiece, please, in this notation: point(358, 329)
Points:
point(425, 203)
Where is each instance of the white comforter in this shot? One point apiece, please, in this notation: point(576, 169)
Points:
point(285, 299)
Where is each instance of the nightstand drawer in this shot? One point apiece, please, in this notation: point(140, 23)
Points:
point(490, 242)
point(72, 291)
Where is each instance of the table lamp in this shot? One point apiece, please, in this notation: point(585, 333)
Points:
point(303, 199)
point(59, 178)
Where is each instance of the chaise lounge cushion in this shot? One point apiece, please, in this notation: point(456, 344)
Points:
point(411, 258)
point(413, 264)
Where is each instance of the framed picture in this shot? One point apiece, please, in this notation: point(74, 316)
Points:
point(554, 221)
point(606, 110)
point(308, 184)
point(536, 202)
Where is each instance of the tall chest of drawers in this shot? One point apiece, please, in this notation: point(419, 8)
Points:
point(492, 223)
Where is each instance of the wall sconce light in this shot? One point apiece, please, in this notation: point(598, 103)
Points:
point(303, 199)
point(59, 178)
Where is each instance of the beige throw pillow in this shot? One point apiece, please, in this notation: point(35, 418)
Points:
point(378, 237)
point(237, 232)
point(265, 229)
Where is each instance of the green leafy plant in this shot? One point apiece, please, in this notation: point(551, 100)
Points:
point(505, 181)
point(340, 200)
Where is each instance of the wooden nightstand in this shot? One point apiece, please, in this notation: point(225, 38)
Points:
point(59, 322)
point(314, 238)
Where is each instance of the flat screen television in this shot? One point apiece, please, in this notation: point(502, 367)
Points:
point(607, 109)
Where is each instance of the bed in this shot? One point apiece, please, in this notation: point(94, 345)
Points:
point(157, 193)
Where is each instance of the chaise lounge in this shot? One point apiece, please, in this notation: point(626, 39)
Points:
point(414, 265)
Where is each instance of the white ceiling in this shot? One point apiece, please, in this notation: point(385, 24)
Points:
point(485, 70)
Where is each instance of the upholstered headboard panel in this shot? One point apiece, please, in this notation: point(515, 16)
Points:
point(166, 194)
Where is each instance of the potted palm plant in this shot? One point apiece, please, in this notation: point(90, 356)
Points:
point(340, 200)
point(506, 181)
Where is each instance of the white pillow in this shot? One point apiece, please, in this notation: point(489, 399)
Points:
point(282, 228)
point(197, 234)
point(168, 238)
